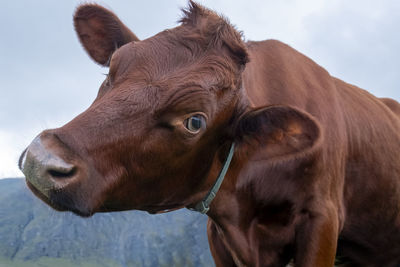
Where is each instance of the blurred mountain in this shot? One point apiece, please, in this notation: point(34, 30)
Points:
point(32, 234)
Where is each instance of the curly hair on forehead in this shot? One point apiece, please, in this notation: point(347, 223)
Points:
point(210, 30)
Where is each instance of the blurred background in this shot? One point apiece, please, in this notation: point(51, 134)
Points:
point(46, 79)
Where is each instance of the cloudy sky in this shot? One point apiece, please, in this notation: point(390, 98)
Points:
point(46, 78)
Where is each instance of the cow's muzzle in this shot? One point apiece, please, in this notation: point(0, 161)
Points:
point(44, 169)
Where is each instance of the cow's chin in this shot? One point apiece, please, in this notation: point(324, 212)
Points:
point(162, 208)
point(60, 201)
point(113, 206)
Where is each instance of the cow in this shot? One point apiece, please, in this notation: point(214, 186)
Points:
point(289, 163)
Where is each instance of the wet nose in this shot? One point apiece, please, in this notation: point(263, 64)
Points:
point(44, 169)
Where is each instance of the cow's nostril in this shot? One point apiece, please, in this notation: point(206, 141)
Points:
point(59, 173)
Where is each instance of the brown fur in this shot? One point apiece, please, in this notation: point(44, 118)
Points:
point(316, 170)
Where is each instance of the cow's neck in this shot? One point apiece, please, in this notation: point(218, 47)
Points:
point(226, 200)
point(227, 212)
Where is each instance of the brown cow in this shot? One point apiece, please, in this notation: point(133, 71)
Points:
point(315, 170)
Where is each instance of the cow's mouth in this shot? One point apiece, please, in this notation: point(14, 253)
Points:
point(59, 201)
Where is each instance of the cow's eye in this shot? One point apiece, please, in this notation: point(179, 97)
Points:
point(195, 123)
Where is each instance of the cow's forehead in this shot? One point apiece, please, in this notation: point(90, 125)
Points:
point(141, 65)
point(168, 56)
point(170, 74)
point(157, 55)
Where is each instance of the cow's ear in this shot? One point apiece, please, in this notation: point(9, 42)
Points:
point(100, 32)
point(277, 131)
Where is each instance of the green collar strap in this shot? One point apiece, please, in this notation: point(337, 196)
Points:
point(204, 205)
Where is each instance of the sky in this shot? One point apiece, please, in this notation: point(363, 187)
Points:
point(46, 78)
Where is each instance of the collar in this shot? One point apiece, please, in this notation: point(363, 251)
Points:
point(204, 205)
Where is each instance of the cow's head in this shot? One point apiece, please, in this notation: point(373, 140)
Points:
point(165, 115)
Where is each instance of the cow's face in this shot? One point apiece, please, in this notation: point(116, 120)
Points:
point(151, 136)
